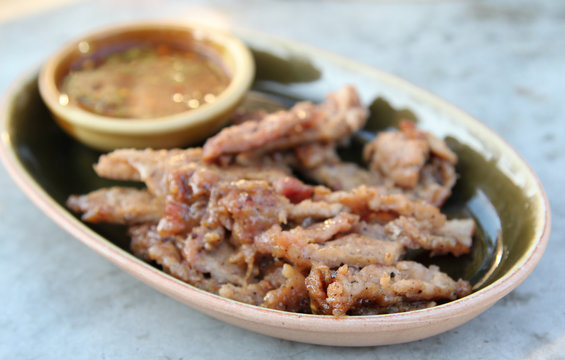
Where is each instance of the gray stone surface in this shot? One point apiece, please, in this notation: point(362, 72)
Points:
point(501, 61)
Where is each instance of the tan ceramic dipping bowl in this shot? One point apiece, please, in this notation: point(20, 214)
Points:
point(180, 129)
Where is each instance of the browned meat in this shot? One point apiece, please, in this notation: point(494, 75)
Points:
point(150, 246)
point(216, 264)
point(314, 154)
point(117, 205)
point(190, 189)
point(320, 163)
point(307, 210)
point(355, 250)
point(342, 176)
point(292, 295)
point(277, 242)
point(372, 203)
point(303, 247)
point(415, 161)
point(187, 199)
point(293, 189)
point(437, 178)
point(337, 292)
point(271, 277)
point(232, 219)
point(149, 166)
point(398, 157)
point(454, 237)
point(246, 209)
point(337, 118)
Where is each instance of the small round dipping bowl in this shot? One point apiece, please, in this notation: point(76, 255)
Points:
point(183, 128)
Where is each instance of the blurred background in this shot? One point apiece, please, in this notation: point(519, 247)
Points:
point(501, 61)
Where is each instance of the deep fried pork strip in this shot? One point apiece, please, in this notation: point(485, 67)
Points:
point(271, 277)
point(321, 243)
point(291, 295)
point(320, 163)
point(454, 237)
point(150, 166)
point(285, 291)
point(220, 264)
point(213, 196)
point(337, 292)
point(437, 178)
point(335, 119)
point(342, 176)
point(308, 210)
point(117, 205)
point(155, 166)
point(415, 161)
point(372, 203)
point(246, 208)
point(353, 249)
point(147, 244)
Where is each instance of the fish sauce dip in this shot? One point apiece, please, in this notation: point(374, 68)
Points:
point(144, 81)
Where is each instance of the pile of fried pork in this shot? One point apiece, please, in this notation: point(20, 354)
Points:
point(239, 217)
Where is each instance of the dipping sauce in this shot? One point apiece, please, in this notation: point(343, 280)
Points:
point(145, 82)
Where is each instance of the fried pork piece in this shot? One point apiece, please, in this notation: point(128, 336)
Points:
point(335, 119)
point(202, 194)
point(454, 237)
point(155, 166)
point(190, 188)
point(267, 241)
point(186, 200)
point(320, 163)
point(327, 243)
point(342, 176)
point(391, 224)
point(246, 209)
point(233, 214)
point(415, 161)
point(349, 289)
point(437, 178)
point(147, 244)
point(307, 210)
point(270, 277)
point(285, 289)
point(186, 258)
point(241, 208)
point(394, 217)
point(374, 204)
point(221, 264)
point(150, 166)
point(292, 295)
point(117, 205)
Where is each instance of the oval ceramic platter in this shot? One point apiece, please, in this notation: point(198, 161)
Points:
point(496, 188)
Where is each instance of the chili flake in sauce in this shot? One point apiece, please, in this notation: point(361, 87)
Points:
point(146, 82)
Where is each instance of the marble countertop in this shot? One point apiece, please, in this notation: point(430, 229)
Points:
point(501, 61)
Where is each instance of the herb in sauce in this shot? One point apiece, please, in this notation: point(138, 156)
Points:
point(146, 82)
